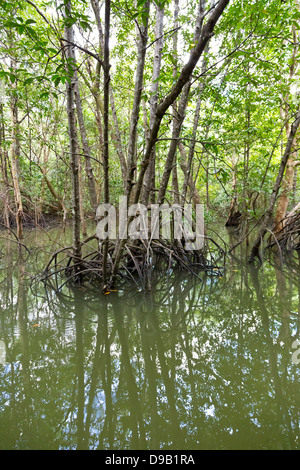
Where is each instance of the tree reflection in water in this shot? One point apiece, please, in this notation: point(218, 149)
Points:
point(194, 365)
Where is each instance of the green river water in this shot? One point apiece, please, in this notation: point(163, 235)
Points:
point(196, 364)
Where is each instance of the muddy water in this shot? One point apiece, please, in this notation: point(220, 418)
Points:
point(198, 364)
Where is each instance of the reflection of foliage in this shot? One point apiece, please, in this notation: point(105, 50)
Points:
point(194, 365)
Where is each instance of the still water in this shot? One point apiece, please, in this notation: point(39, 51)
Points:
point(198, 364)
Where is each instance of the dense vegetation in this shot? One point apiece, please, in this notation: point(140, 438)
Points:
point(158, 100)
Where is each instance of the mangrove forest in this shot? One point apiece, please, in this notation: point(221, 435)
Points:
point(149, 226)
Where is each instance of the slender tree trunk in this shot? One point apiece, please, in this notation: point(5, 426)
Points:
point(15, 154)
point(246, 149)
point(183, 78)
point(149, 182)
point(190, 183)
point(234, 213)
point(5, 190)
point(175, 183)
point(138, 87)
point(295, 181)
point(116, 136)
point(200, 90)
point(81, 206)
point(162, 108)
point(169, 163)
point(193, 142)
point(180, 115)
point(284, 198)
point(268, 215)
point(287, 183)
point(207, 183)
point(70, 92)
point(85, 146)
point(54, 193)
point(115, 133)
point(98, 112)
point(106, 128)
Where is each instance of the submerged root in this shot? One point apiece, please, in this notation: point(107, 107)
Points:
point(288, 237)
point(140, 263)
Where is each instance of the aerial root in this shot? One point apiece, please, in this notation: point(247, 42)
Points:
point(288, 237)
point(137, 266)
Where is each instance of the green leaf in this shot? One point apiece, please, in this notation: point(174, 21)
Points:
point(28, 81)
point(140, 3)
point(45, 94)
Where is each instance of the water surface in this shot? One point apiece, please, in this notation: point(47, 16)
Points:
point(196, 364)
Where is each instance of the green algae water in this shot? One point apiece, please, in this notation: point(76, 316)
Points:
point(209, 363)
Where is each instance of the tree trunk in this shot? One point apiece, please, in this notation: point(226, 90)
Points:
point(53, 192)
point(179, 116)
point(138, 87)
point(73, 145)
point(175, 183)
point(162, 108)
point(196, 118)
point(287, 184)
point(193, 141)
point(149, 182)
point(81, 206)
point(15, 154)
point(234, 216)
point(169, 162)
point(268, 215)
point(5, 190)
point(284, 198)
point(85, 146)
point(106, 129)
point(295, 181)
point(195, 197)
point(115, 134)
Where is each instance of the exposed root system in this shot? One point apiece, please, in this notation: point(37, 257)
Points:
point(288, 238)
point(139, 264)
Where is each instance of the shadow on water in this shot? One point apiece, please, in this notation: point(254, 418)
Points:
point(195, 365)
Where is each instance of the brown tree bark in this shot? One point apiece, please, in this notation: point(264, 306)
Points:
point(73, 144)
